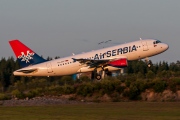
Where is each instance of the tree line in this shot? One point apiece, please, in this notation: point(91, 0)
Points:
point(138, 68)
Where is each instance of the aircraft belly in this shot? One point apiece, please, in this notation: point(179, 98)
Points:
point(85, 69)
point(66, 70)
point(148, 53)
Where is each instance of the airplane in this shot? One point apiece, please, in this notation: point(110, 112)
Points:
point(98, 62)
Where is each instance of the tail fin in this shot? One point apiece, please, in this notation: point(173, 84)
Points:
point(24, 54)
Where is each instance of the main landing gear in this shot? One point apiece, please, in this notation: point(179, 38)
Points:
point(98, 77)
point(99, 73)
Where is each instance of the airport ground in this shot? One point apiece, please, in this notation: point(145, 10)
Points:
point(94, 111)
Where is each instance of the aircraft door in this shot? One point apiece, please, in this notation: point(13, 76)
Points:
point(145, 46)
point(49, 68)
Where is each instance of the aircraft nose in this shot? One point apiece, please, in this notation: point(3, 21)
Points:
point(166, 46)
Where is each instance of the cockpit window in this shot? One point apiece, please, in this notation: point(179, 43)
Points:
point(156, 42)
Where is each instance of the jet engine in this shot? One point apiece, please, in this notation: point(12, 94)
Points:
point(120, 63)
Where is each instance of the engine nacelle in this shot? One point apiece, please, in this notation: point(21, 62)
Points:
point(120, 63)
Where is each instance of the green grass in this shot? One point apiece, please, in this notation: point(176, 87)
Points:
point(95, 111)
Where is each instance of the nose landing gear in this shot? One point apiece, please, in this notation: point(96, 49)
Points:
point(148, 62)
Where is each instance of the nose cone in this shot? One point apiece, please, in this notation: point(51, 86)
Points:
point(165, 46)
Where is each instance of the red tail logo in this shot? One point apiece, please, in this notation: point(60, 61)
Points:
point(21, 51)
point(25, 55)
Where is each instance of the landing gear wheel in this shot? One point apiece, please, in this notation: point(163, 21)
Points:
point(98, 77)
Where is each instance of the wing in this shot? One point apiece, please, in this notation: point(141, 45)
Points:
point(90, 62)
point(95, 63)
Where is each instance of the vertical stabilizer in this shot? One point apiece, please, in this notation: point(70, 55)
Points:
point(24, 54)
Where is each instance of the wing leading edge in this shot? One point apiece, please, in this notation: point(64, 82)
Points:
point(101, 63)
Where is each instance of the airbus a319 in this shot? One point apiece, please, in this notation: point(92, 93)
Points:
point(98, 61)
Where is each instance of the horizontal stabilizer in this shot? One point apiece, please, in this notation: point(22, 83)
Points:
point(27, 71)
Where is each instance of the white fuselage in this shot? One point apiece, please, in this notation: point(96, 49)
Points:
point(67, 66)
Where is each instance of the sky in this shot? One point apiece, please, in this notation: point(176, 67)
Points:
point(62, 27)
